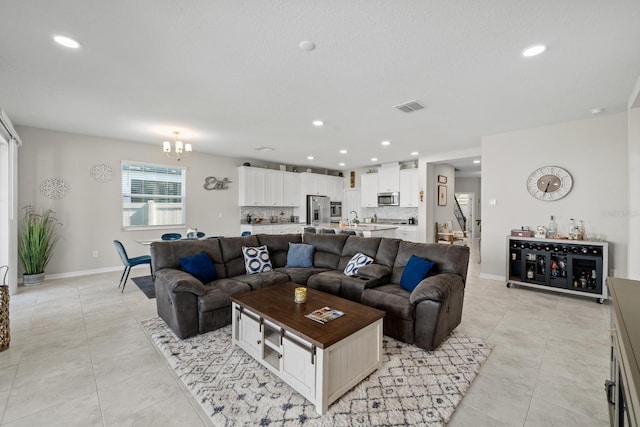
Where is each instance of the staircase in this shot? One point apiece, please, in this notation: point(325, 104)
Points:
point(462, 220)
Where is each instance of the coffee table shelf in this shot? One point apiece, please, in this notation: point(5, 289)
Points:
point(272, 329)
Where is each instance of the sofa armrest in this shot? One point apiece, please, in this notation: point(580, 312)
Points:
point(436, 288)
point(374, 271)
point(180, 281)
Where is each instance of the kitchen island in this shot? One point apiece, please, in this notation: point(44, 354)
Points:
point(368, 230)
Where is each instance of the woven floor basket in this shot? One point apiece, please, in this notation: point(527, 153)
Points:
point(5, 334)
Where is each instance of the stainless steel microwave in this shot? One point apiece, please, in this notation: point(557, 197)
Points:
point(388, 199)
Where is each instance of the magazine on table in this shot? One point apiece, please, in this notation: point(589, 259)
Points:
point(324, 315)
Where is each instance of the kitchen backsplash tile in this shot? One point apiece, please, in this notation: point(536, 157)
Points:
point(390, 212)
point(264, 212)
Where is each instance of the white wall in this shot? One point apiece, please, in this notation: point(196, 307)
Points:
point(594, 151)
point(443, 214)
point(91, 212)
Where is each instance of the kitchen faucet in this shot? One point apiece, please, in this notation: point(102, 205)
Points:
point(356, 220)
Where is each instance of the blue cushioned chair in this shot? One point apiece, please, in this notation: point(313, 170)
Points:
point(130, 262)
point(245, 233)
point(171, 236)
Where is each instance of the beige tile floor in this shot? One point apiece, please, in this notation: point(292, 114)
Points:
point(79, 357)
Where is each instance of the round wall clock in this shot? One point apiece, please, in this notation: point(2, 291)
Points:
point(549, 183)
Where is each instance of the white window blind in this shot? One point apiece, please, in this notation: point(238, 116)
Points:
point(152, 195)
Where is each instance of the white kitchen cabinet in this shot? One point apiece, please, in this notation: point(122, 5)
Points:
point(267, 187)
point(291, 193)
point(389, 179)
point(409, 188)
point(308, 184)
point(323, 185)
point(369, 190)
point(274, 188)
point(335, 187)
point(251, 187)
point(408, 233)
point(275, 228)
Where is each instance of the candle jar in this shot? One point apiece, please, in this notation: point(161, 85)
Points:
point(300, 295)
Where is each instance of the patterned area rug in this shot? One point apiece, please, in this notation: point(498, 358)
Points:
point(413, 387)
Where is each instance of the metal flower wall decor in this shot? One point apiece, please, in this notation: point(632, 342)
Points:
point(102, 172)
point(54, 188)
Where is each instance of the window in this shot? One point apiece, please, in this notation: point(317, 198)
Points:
point(152, 195)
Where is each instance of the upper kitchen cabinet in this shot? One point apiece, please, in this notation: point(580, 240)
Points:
point(336, 188)
point(369, 190)
point(309, 184)
point(274, 188)
point(409, 188)
point(267, 187)
point(291, 196)
point(389, 178)
point(251, 186)
point(321, 185)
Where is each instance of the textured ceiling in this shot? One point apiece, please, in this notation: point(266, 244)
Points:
point(230, 75)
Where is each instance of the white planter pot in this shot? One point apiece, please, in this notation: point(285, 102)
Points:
point(33, 279)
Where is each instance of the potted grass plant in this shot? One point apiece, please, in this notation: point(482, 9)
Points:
point(38, 236)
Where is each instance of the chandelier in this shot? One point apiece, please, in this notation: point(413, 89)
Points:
point(179, 150)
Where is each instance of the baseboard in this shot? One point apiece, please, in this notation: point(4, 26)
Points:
point(493, 277)
point(80, 273)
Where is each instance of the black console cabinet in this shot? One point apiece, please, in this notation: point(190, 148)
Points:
point(569, 266)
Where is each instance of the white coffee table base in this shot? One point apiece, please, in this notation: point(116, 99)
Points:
point(320, 375)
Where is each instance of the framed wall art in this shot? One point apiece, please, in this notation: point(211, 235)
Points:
point(442, 179)
point(442, 195)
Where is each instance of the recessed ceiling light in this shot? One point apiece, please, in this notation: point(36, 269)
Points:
point(343, 151)
point(597, 110)
point(262, 148)
point(476, 161)
point(385, 143)
point(374, 159)
point(341, 164)
point(309, 157)
point(318, 123)
point(307, 45)
point(534, 50)
point(67, 42)
point(414, 153)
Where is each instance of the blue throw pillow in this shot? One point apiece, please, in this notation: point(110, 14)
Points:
point(200, 266)
point(414, 272)
point(357, 261)
point(300, 255)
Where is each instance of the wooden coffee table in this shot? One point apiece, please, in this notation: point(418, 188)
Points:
point(320, 361)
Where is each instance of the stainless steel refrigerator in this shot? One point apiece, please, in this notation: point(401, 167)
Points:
point(318, 210)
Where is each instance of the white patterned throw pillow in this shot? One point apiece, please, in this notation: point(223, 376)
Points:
point(357, 261)
point(256, 259)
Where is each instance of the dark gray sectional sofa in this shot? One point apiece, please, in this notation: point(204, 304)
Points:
point(423, 317)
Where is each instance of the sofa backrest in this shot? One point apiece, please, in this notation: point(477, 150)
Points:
point(387, 251)
point(448, 258)
point(167, 254)
point(328, 248)
point(232, 253)
point(358, 244)
point(278, 246)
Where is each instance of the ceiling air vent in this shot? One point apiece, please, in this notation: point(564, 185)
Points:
point(409, 107)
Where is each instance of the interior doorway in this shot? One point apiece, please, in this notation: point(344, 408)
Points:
point(467, 202)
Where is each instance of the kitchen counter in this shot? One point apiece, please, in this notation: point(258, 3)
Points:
point(368, 230)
